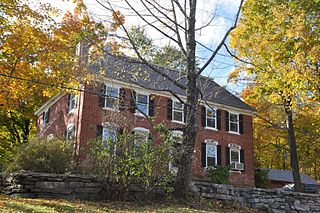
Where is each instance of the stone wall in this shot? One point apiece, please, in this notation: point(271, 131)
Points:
point(270, 200)
point(70, 186)
point(64, 186)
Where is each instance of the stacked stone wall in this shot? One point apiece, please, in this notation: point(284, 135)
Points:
point(71, 186)
point(269, 200)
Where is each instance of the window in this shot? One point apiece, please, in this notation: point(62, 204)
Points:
point(233, 122)
point(71, 102)
point(236, 156)
point(111, 97)
point(211, 120)
point(70, 134)
point(211, 153)
point(142, 104)
point(141, 135)
point(109, 137)
point(178, 111)
point(176, 151)
point(45, 117)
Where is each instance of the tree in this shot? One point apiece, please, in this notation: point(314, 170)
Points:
point(37, 59)
point(176, 21)
point(168, 56)
point(279, 39)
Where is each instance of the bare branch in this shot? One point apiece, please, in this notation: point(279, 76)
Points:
point(182, 10)
point(222, 41)
point(209, 22)
point(177, 29)
point(143, 61)
point(149, 23)
point(158, 90)
point(234, 56)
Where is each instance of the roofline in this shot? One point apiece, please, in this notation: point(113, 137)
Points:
point(49, 103)
point(57, 97)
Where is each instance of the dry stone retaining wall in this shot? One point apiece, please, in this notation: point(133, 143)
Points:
point(270, 200)
point(64, 186)
point(70, 186)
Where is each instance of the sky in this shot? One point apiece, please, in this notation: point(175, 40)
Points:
point(224, 12)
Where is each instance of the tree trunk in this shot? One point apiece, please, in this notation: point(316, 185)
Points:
point(183, 179)
point(293, 151)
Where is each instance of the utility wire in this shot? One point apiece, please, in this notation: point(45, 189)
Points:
point(93, 93)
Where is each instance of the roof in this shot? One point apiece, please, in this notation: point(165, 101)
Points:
point(125, 69)
point(286, 176)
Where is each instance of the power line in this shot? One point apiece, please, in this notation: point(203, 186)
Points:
point(90, 92)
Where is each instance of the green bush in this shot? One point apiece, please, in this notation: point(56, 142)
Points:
point(54, 156)
point(219, 174)
point(261, 178)
point(124, 164)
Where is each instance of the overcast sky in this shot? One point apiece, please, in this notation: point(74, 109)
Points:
point(224, 10)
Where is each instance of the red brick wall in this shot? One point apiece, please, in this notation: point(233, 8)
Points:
point(59, 119)
point(93, 115)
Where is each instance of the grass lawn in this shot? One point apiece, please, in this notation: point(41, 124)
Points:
point(9, 204)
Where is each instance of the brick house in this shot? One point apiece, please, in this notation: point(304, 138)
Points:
point(122, 99)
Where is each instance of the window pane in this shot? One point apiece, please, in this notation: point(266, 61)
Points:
point(142, 99)
point(234, 127)
point(210, 113)
point(211, 161)
point(142, 108)
point(211, 151)
point(211, 122)
point(70, 133)
point(111, 102)
point(177, 116)
point(178, 105)
point(112, 92)
point(233, 118)
point(142, 104)
point(234, 155)
point(109, 134)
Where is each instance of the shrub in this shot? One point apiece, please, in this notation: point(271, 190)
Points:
point(123, 164)
point(54, 156)
point(219, 174)
point(261, 178)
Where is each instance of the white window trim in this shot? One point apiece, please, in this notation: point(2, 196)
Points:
point(70, 126)
point(172, 168)
point(138, 113)
point(215, 119)
point(105, 98)
point(141, 129)
point(238, 123)
point(211, 142)
point(173, 110)
point(75, 103)
point(234, 147)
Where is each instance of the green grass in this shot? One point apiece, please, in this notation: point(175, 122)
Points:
point(9, 204)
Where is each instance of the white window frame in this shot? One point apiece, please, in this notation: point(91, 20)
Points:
point(238, 123)
point(175, 133)
point(210, 142)
point(71, 127)
point(141, 129)
point(214, 117)
point(177, 110)
point(137, 102)
point(110, 127)
point(72, 98)
point(106, 97)
point(235, 148)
